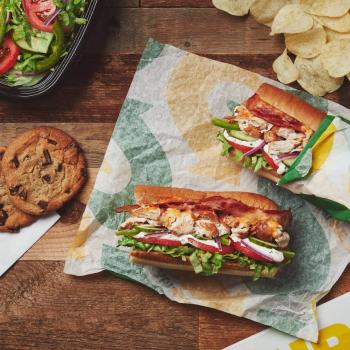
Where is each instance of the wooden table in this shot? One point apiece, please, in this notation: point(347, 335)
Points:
point(42, 308)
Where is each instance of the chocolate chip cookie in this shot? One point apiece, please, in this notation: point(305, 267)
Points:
point(11, 218)
point(44, 168)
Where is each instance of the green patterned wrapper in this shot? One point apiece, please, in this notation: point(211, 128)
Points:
point(164, 136)
point(322, 169)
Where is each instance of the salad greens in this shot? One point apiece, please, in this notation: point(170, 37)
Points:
point(34, 36)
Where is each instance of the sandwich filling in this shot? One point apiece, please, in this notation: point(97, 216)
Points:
point(261, 136)
point(210, 232)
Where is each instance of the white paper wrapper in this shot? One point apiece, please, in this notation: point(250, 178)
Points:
point(164, 136)
point(14, 245)
point(334, 326)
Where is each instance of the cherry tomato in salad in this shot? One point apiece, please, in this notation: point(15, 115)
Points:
point(248, 252)
point(9, 53)
point(270, 161)
point(37, 11)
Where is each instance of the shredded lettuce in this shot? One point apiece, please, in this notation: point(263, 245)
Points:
point(204, 263)
point(71, 12)
point(254, 162)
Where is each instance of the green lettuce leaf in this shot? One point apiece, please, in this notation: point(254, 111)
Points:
point(204, 263)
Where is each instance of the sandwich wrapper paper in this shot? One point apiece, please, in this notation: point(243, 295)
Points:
point(164, 136)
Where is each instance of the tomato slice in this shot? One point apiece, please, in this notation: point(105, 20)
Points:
point(37, 11)
point(270, 161)
point(209, 248)
point(240, 147)
point(234, 246)
point(248, 252)
point(9, 52)
point(159, 240)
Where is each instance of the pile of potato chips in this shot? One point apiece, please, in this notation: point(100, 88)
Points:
point(316, 32)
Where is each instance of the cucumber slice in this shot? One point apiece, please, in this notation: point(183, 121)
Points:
point(128, 233)
point(263, 243)
point(287, 254)
point(40, 42)
point(289, 161)
point(241, 135)
point(148, 228)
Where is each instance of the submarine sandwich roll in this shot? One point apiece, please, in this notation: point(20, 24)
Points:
point(268, 131)
point(234, 233)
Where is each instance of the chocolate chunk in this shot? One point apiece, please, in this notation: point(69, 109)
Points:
point(3, 217)
point(60, 167)
point(83, 172)
point(53, 142)
point(1, 155)
point(23, 195)
point(47, 156)
point(14, 190)
point(67, 190)
point(1, 206)
point(43, 204)
point(15, 162)
point(46, 178)
point(15, 229)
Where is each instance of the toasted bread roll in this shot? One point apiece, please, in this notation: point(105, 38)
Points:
point(146, 194)
point(292, 105)
point(167, 262)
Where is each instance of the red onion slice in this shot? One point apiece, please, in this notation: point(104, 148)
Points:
point(288, 155)
point(255, 149)
point(8, 17)
point(218, 242)
point(52, 17)
point(157, 233)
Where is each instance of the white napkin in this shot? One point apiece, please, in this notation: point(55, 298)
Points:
point(14, 245)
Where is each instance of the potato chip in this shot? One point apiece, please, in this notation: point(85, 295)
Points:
point(308, 44)
point(335, 57)
point(333, 35)
point(314, 78)
point(291, 19)
point(234, 7)
point(330, 8)
point(339, 24)
point(264, 11)
point(285, 69)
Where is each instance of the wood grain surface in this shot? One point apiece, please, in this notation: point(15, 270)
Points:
point(40, 306)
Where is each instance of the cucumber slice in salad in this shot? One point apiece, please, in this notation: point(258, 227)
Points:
point(39, 42)
point(240, 135)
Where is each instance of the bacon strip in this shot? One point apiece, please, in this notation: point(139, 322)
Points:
point(126, 208)
point(272, 115)
point(221, 206)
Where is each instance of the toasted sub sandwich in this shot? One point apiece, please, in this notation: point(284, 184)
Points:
point(268, 131)
point(233, 233)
